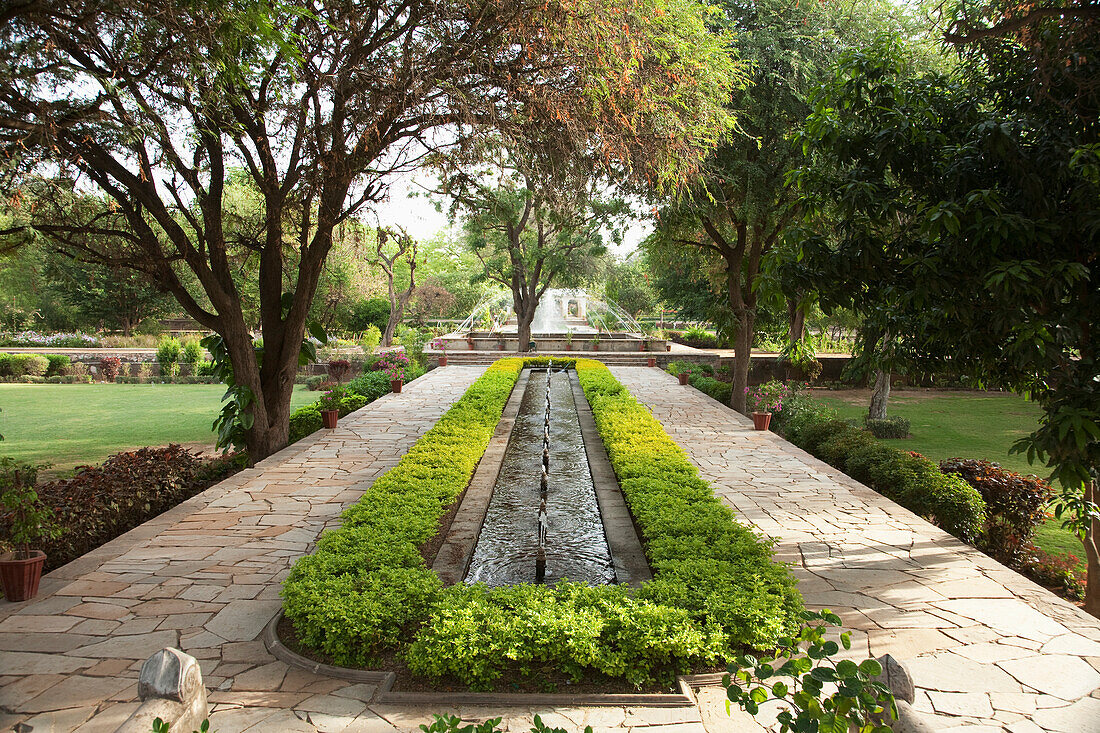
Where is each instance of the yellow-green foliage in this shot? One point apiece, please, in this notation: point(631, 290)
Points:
point(366, 589)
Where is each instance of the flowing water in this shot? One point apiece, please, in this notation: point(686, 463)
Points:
point(543, 522)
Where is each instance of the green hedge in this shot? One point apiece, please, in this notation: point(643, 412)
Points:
point(366, 589)
point(908, 478)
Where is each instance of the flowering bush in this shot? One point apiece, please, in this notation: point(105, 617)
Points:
point(1053, 570)
point(439, 345)
point(33, 338)
point(394, 364)
point(332, 400)
point(769, 396)
point(110, 366)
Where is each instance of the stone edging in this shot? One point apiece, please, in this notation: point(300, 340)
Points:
point(384, 681)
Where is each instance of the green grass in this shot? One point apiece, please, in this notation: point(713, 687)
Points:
point(67, 425)
point(953, 424)
point(968, 425)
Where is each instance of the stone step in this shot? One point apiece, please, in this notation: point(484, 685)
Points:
point(616, 358)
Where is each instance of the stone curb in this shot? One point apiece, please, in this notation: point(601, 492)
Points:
point(385, 680)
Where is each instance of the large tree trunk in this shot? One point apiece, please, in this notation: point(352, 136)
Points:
point(880, 396)
point(1092, 554)
point(742, 360)
point(796, 329)
point(391, 324)
point(796, 318)
point(525, 304)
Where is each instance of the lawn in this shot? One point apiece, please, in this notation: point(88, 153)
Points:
point(948, 424)
point(67, 425)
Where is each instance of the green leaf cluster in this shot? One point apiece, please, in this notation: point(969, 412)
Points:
point(796, 674)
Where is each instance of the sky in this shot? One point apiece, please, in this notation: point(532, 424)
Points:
point(418, 215)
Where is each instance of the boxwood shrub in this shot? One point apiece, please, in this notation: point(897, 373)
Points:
point(907, 478)
point(366, 589)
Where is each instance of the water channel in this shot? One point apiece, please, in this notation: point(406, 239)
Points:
point(543, 522)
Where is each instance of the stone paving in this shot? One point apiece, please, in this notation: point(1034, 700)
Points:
point(205, 578)
point(988, 649)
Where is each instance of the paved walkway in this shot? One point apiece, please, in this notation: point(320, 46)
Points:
point(988, 649)
point(205, 578)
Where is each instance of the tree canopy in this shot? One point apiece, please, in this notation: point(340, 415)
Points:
point(318, 103)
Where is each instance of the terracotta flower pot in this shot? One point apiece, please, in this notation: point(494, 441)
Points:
point(20, 577)
point(651, 361)
point(595, 346)
point(761, 420)
point(470, 342)
point(395, 385)
point(329, 418)
point(569, 347)
point(443, 360)
point(641, 346)
point(500, 346)
point(668, 347)
point(683, 377)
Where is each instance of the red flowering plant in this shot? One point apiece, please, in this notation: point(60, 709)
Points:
point(439, 345)
point(394, 364)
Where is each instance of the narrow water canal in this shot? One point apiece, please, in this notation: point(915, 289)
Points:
point(574, 546)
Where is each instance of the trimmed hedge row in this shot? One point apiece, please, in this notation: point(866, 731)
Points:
point(366, 589)
point(907, 478)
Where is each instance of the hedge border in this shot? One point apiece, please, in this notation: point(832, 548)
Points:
point(366, 590)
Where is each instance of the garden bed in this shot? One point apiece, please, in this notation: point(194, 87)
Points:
point(366, 595)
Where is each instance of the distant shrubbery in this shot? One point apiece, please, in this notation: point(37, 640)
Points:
point(889, 427)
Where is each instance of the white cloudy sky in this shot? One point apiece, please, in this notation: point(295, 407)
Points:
point(419, 217)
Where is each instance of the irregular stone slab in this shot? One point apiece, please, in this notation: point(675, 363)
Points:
point(1082, 716)
point(138, 646)
point(971, 704)
point(243, 620)
point(1060, 675)
point(1009, 617)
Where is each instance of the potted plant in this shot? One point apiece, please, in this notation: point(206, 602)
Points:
point(684, 376)
point(21, 571)
point(394, 364)
point(651, 361)
point(763, 400)
point(329, 405)
point(596, 341)
point(339, 369)
point(500, 341)
point(441, 345)
point(568, 339)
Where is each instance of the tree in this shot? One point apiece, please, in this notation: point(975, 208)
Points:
point(387, 256)
point(527, 237)
point(628, 286)
point(996, 271)
point(741, 205)
point(318, 103)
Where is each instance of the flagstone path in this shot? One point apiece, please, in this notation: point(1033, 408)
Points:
point(988, 649)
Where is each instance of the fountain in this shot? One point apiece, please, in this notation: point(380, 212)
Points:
point(563, 316)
